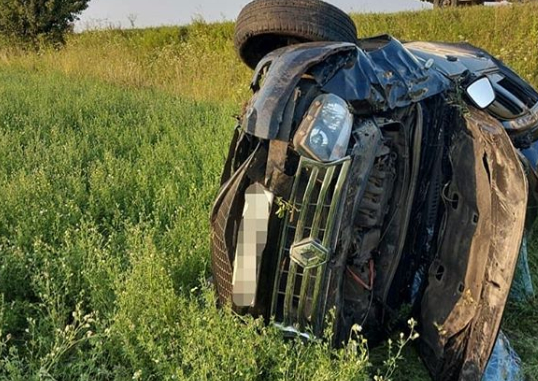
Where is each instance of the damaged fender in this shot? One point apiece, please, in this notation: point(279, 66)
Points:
point(469, 281)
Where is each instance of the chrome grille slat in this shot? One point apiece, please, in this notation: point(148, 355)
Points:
point(297, 290)
point(321, 202)
point(299, 235)
point(314, 231)
point(288, 298)
point(330, 224)
point(302, 297)
point(299, 232)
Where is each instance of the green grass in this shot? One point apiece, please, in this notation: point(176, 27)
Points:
point(104, 241)
point(110, 156)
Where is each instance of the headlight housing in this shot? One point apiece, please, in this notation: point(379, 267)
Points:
point(325, 131)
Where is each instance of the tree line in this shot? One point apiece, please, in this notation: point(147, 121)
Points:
point(37, 22)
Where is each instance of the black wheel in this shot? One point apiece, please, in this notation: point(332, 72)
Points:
point(456, 3)
point(445, 3)
point(266, 25)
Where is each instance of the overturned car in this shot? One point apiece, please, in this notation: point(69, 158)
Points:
point(377, 179)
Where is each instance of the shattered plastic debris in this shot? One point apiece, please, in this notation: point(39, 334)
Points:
point(504, 363)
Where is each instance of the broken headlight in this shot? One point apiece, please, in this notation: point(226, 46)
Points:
point(325, 131)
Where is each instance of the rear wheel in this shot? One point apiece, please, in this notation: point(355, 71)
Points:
point(455, 3)
point(266, 25)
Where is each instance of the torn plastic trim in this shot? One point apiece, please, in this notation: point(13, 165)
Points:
point(525, 122)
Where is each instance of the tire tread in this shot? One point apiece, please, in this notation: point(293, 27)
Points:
point(308, 20)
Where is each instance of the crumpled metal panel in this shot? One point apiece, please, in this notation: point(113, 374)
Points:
point(286, 66)
point(452, 59)
point(470, 279)
point(385, 78)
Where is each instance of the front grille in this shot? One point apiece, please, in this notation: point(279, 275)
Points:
point(306, 243)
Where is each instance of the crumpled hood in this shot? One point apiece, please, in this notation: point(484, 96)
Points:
point(454, 59)
point(384, 78)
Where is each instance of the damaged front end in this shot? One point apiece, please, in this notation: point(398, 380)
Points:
point(357, 183)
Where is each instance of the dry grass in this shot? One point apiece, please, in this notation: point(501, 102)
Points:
point(199, 61)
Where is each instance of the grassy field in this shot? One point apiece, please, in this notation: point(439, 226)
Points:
point(110, 155)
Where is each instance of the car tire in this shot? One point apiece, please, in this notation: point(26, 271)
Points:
point(455, 3)
point(445, 3)
point(266, 25)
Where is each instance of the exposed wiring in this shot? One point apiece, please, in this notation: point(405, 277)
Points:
point(358, 279)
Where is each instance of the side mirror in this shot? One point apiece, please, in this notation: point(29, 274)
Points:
point(481, 92)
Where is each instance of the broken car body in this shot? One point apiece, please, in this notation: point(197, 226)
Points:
point(368, 179)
